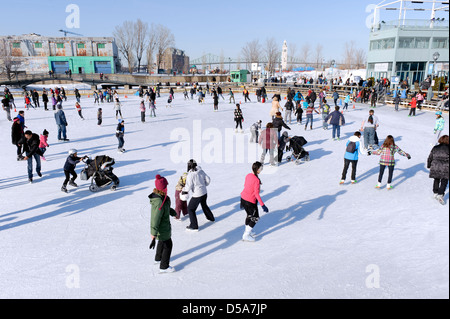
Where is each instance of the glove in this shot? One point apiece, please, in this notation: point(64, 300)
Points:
point(153, 244)
point(369, 153)
point(265, 209)
point(184, 193)
point(408, 156)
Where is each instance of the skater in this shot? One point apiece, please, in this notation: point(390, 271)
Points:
point(387, 160)
point(276, 107)
point(16, 135)
point(152, 108)
point(45, 99)
point(30, 142)
point(169, 100)
point(142, 108)
point(335, 97)
point(54, 102)
point(196, 182)
point(325, 113)
point(397, 101)
point(250, 197)
point(118, 108)
point(43, 144)
point(352, 151)
point(231, 94)
point(438, 163)
point(254, 129)
point(69, 169)
point(413, 104)
point(268, 141)
point(99, 116)
point(439, 127)
point(346, 102)
point(373, 99)
point(238, 118)
point(369, 128)
point(61, 122)
point(219, 92)
point(96, 98)
point(299, 113)
point(78, 107)
point(77, 95)
point(35, 97)
point(216, 101)
point(160, 227)
point(180, 199)
point(282, 141)
point(309, 115)
point(278, 124)
point(246, 93)
point(289, 107)
point(120, 132)
point(7, 108)
point(336, 119)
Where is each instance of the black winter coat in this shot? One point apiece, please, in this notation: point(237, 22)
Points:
point(16, 133)
point(278, 123)
point(31, 146)
point(438, 162)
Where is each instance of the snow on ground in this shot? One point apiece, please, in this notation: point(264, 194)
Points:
point(320, 239)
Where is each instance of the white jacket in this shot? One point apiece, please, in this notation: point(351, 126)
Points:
point(196, 182)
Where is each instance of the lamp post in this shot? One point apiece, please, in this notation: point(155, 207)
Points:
point(436, 56)
point(331, 81)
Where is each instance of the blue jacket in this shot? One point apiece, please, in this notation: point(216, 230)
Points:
point(60, 118)
point(353, 156)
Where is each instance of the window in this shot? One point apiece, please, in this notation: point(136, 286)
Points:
point(440, 43)
point(80, 45)
point(60, 45)
point(414, 43)
point(101, 45)
point(382, 44)
point(16, 45)
point(38, 45)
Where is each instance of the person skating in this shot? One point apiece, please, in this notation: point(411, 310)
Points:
point(78, 107)
point(250, 198)
point(120, 132)
point(352, 151)
point(289, 107)
point(142, 109)
point(45, 99)
point(325, 113)
point(196, 183)
point(276, 107)
point(216, 101)
point(336, 119)
point(439, 127)
point(438, 164)
point(30, 141)
point(16, 136)
point(43, 143)
point(160, 227)
point(309, 115)
point(282, 141)
point(254, 129)
point(268, 141)
point(299, 113)
point(99, 116)
point(7, 108)
point(387, 160)
point(369, 128)
point(118, 108)
point(413, 104)
point(278, 124)
point(238, 118)
point(231, 94)
point(62, 124)
point(69, 169)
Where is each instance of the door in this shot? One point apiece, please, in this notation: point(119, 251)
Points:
point(60, 67)
point(102, 67)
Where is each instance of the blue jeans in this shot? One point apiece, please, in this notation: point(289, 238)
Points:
point(30, 164)
point(121, 141)
point(62, 130)
point(324, 124)
point(369, 136)
point(336, 130)
point(309, 117)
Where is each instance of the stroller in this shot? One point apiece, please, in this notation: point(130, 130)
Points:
point(296, 144)
point(100, 170)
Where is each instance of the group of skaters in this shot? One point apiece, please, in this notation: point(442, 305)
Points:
point(191, 189)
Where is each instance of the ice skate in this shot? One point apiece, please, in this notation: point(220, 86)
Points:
point(167, 270)
point(73, 184)
point(440, 199)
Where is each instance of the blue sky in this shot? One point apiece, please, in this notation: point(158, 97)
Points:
point(202, 26)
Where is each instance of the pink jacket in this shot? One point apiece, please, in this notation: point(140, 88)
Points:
point(251, 189)
point(43, 141)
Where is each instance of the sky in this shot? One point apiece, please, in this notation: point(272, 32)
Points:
point(202, 26)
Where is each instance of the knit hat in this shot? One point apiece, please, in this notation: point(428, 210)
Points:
point(161, 183)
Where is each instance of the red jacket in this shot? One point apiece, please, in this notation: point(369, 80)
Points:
point(413, 103)
point(268, 139)
point(251, 189)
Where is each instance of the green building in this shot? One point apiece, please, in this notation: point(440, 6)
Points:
point(241, 76)
point(81, 64)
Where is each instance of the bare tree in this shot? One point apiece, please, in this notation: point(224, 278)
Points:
point(360, 58)
point(305, 53)
point(164, 40)
point(125, 39)
point(141, 31)
point(151, 47)
point(251, 52)
point(272, 54)
point(318, 55)
point(349, 55)
point(292, 56)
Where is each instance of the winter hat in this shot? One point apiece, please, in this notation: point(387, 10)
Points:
point(45, 132)
point(439, 113)
point(161, 183)
point(120, 120)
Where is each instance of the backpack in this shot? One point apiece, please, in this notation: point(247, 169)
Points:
point(351, 147)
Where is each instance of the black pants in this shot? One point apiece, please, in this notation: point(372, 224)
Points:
point(68, 173)
point(192, 207)
point(412, 111)
point(280, 154)
point(239, 123)
point(346, 166)
point(299, 116)
point(439, 186)
point(391, 173)
point(142, 116)
point(252, 213)
point(163, 252)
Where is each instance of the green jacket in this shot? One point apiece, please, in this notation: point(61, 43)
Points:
point(160, 219)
